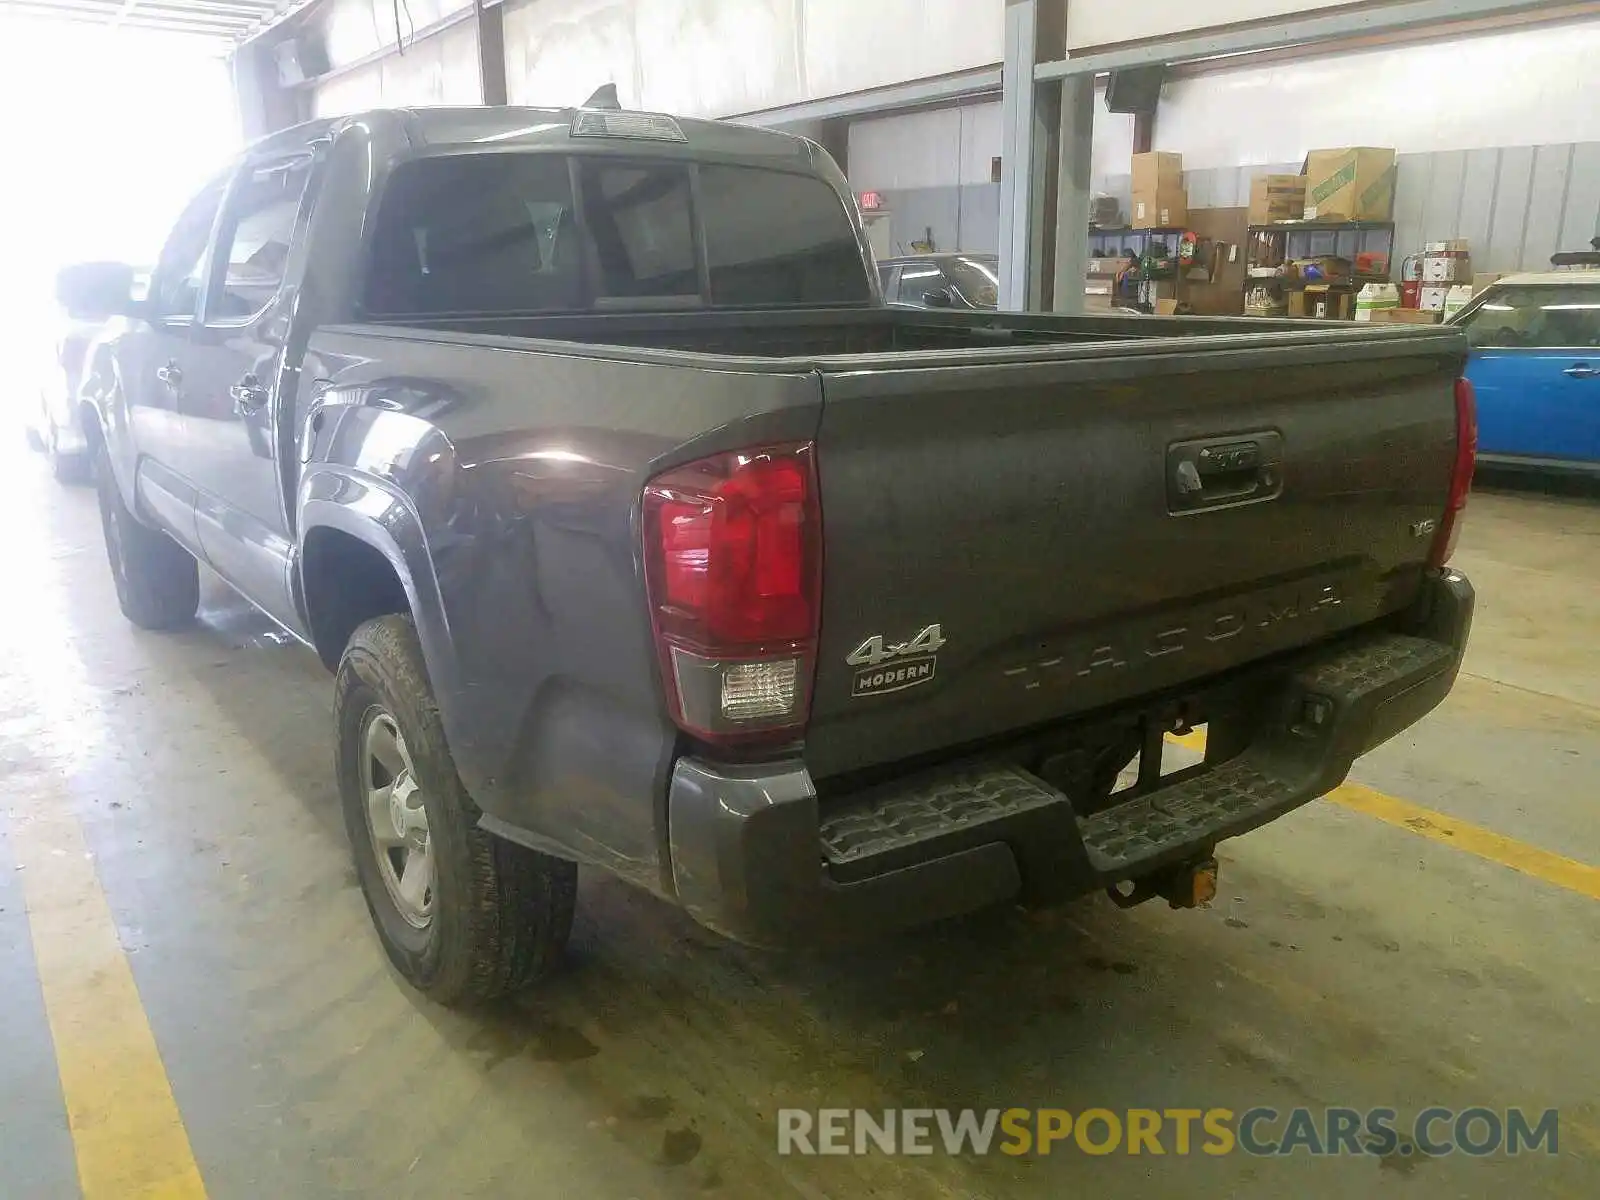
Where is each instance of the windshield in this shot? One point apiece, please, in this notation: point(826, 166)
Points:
point(500, 234)
point(977, 279)
point(1551, 315)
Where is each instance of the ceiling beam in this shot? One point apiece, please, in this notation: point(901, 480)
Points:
point(84, 12)
point(1275, 34)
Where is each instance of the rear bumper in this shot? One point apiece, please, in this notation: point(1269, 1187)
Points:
point(754, 857)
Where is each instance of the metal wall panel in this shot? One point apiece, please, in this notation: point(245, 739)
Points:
point(1441, 210)
point(1092, 23)
point(559, 51)
point(980, 219)
point(1511, 199)
point(713, 57)
point(1581, 220)
point(725, 57)
point(981, 136)
point(1476, 215)
point(1412, 185)
point(353, 29)
point(850, 46)
point(439, 69)
point(912, 150)
point(1468, 93)
point(1552, 166)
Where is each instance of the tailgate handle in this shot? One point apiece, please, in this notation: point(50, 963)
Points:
point(1222, 471)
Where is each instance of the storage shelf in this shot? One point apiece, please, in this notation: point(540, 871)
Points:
point(1116, 230)
point(1322, 226)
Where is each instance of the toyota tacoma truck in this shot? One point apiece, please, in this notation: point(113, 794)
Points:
point(639, 533)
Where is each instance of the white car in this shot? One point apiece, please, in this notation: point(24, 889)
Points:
point(53, 424)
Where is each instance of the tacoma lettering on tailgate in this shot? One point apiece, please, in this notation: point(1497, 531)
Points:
point(1262, 617)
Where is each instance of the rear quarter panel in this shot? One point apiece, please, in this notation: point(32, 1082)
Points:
point(518, 472)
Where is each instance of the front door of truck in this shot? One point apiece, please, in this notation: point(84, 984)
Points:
point(154, 358)
point(234, 398)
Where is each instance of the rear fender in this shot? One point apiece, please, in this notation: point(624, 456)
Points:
point(103, 415)
point(373, 511)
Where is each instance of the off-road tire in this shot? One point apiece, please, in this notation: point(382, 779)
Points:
point(501, 913)
point(158, 581)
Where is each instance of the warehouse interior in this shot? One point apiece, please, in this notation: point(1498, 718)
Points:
point(197, 1004)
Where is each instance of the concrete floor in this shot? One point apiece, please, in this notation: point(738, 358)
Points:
point(1347, 961)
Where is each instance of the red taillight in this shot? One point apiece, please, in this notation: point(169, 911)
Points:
point(1444, 542)
point(732, 551)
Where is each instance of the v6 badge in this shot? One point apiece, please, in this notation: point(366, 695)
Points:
point(895, 667)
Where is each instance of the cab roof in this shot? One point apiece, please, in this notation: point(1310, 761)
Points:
point(1589, 276)
point(507, 127)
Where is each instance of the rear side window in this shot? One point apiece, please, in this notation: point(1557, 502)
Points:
point(257, 231)
point(641, 225)
point(498, 234)
point(1544, 316)
point(774, 238)
point(918, 279)
point(476, 234)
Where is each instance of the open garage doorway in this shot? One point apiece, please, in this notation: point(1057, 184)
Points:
point(108, 128)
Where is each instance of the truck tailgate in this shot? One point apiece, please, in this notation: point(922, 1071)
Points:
point(1012, 538)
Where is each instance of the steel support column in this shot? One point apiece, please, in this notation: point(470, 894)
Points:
point(264, 104)
point(1021, 207)
point(1072, 193)
point(491, 52)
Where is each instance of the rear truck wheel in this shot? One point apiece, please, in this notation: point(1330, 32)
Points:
point(463, 915)
point(158, 581)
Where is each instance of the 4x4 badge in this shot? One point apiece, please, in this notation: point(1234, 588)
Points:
point(893, 668)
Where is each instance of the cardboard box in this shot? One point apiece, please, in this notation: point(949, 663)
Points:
point(1351, 184)
point(1297, 304)
point(1166, 308)
point(1277, 198)
point(1441, 266)
point(1163, 208)
point(1325, 303)
point(1403, 316)
point(1156, 170)
point(1434, 296)
point(1453, 246)
point(1484, 278)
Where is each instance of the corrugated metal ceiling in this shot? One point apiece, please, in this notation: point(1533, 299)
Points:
point(218, 22)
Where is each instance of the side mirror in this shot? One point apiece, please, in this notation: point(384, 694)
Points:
point(938, 298)
point(95, 290)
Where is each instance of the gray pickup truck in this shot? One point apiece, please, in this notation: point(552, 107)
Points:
point(640, 534)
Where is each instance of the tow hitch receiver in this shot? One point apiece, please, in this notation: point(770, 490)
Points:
point(1188, 885)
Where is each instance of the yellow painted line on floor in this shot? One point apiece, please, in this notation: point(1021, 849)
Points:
point(127, 1133)
point(1495, 847)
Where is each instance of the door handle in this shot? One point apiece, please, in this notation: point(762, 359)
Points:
point(249, 397)
point(171, 375)
point(1218, 472)
point(1581, 371)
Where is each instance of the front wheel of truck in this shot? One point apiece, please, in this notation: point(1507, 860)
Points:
point(463, 915)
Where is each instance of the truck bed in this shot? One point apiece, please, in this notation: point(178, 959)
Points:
point(787, 334)
point(1013, 480)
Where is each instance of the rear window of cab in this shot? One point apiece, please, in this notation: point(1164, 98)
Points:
point(506, 234)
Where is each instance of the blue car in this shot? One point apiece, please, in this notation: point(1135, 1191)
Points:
point(1536, 369)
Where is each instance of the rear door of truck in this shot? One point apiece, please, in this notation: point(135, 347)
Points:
point(1015, 536)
